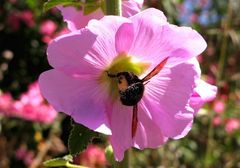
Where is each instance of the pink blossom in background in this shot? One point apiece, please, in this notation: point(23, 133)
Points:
point(219, 106)
point(6, 102)
point(93, 156)
point(200, 58)
point(80, 87)
point(28, 159)
point(31, 106)
point(15, 19)
point(12, 1)
point(47, 27)
point(27, 156)
point(27, 17)
point(232, 124)
point(76, 19)
point(48, 38)
point(194, 18)
point(217, 121)
point(21, 152)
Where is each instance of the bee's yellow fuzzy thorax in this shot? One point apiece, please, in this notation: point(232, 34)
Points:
point(122, 83)
point(121, 63)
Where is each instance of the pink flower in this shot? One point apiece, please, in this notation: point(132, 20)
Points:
point(217, 121)
point(48, 38)
point(48, 27)
point(6, 101)
point(13, 1)
point(21, 152)
point(31, 106)
point(76, 19)
point(13, 21)
point(27, 156)
point(232, 124)
point(93, 156)
point(80, 86)
point(27, 17)
point(15, 18)
point(219, 106)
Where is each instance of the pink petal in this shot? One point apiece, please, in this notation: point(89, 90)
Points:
point(155, 39)
point(68, 52)
point(121, 138)
point(80, 97)
point(76, 19)
point(206, 91)
point(131, 7)
point(124, 38)
point(148, 134)
point(166, 97)
point(106, 30)
point(203, 93)
point(87, 50)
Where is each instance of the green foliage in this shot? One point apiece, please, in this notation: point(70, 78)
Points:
point(63, 161)
point(88, 6)
point(79, 138)
point(53, 3)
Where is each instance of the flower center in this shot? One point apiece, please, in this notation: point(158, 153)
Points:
point(122, 63)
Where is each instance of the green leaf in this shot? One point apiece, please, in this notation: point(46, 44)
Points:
point(52, 3)
point(90, 7)
point(58, 161)
point(79, 138)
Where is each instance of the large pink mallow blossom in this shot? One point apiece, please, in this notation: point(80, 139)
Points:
point(80, 87)
point(76, 19)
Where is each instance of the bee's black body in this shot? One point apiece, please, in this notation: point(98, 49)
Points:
point(131, 89)
point(134, 92)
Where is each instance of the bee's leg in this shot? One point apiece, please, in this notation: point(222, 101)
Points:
point(111, 75)
point(146, 83)
point(134, 120)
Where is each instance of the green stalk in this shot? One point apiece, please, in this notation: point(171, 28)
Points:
point(221, 65)
point(69, 165)
point(113, 7)
point(223, 51)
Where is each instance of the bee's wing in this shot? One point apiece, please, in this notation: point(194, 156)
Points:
point(155, 71)
point(134, 120)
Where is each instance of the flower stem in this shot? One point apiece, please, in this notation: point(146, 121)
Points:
point(221, 64)
point(113, 7)
point(223, 51)
point(69, 165)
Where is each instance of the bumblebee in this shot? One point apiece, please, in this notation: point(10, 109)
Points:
point(131, 89)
